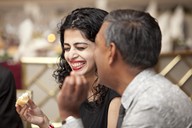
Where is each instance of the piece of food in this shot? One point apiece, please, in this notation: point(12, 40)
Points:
point(23, 99)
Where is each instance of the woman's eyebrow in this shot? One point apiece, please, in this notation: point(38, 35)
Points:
point(77, 43)
point(66, 43)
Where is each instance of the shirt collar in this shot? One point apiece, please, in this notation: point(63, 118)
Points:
point(135, 87)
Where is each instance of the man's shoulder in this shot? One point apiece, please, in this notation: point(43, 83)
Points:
point(6, 77)
point(5, 72)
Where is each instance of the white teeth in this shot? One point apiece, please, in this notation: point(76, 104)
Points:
point(76, 64)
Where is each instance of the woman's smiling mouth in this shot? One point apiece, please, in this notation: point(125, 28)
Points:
point(77, 65)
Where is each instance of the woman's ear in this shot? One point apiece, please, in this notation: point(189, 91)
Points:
point(112, 53)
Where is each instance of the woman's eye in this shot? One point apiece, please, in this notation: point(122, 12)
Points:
point(80, 48)
point(66, 49)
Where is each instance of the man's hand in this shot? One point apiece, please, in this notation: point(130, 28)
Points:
point(73, 92)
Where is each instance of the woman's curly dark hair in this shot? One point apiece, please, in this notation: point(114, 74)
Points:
point(88, 21)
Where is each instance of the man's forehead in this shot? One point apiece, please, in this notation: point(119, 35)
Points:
point(104, 26)
point(102, 29)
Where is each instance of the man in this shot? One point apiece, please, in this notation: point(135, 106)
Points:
point(127, 48)
point(8, 115)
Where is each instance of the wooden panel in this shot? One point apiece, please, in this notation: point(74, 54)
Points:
point(177, 67)
point(37, 76)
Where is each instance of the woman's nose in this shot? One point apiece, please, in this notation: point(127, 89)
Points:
point(73, 54)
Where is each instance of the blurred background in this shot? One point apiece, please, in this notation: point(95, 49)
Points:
point(29, 42)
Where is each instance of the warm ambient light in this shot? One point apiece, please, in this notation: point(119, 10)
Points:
point(51, 38)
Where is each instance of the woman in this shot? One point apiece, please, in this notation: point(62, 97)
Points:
point(77, 35)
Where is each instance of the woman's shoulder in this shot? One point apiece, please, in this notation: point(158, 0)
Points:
point(111, 94)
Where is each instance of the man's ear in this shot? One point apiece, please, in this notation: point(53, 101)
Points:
point(112, 53)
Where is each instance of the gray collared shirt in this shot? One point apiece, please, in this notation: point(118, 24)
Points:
point(151, 101)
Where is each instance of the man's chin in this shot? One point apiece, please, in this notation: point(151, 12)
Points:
point(102, 82)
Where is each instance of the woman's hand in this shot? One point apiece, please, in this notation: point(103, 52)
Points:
point(33, 114)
